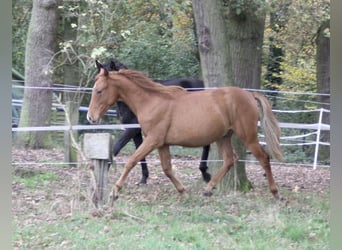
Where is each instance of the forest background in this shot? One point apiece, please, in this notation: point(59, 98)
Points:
point(160, 39)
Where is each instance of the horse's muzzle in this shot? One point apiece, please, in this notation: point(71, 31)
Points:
point(90, 120)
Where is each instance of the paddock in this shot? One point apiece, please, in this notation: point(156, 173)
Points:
point(53, 211)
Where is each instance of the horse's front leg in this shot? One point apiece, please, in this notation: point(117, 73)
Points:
point(165, 158)
point(145, 148)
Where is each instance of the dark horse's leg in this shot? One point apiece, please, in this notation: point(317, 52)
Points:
point(137, 141)
point(127, 135)
point(124, 138)
point(203, 165)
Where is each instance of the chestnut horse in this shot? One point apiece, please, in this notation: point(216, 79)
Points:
point(211, 116)
point(128, 117)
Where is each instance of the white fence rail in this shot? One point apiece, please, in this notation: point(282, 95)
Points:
point(316, 127)
point(311, 130)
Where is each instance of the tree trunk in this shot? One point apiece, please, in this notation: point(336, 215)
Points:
point(245, 30)
point(212, 43)
point(230, 54)
point(40, 47)
point(71, 76)
point(323, 81)
point(323, 62)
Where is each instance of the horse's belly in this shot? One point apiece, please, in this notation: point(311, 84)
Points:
point(199, 119)
point(193, 142)
point(190, 134)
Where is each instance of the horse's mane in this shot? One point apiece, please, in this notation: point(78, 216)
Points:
point(146, 83)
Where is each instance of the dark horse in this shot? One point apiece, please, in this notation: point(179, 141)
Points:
point(128, 117)
point(213, 117)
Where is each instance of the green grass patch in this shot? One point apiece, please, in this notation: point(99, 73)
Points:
point(155, 217)
point(34, 178)
point(174, 150)
point(191, 223)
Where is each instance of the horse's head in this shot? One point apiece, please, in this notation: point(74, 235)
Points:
point(104, 95)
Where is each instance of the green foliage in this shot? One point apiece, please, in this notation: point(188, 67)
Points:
point(158, 37)
point(297, 69)
point(243, 7)
point(298, 23)
point(21, 14)
point(300, 78)
point(158, 56)
point(147, 35)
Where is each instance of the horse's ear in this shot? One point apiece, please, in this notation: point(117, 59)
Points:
point(101, 68)
point(105, 71)
point(112, 65)
point(98, 65)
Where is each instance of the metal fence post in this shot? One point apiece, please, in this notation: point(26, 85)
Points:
point(318, 137)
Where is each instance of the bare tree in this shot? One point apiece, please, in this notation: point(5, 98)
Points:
point(40, 48)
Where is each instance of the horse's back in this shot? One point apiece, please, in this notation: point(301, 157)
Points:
point(219, 98)
point(205, 116)
point(187, 83)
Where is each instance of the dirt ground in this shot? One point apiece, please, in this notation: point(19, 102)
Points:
point(293, 178)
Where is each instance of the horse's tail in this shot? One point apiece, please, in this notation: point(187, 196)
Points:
point(269, 125)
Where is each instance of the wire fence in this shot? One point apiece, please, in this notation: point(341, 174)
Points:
point(306, 134)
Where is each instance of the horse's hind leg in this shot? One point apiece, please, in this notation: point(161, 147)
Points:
point(229, 157)
point(203, 165)
point(124, 138)
point(264, 161)
point(165, 158)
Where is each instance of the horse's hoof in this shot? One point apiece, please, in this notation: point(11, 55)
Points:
point(208, 193)
point(281, 198)
point(206, 177)
point(183, 195)
point(183, 191)
point(113, 198)
point(276, 196)
point(143, 181)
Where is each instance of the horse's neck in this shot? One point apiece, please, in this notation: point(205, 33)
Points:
point(136, 98)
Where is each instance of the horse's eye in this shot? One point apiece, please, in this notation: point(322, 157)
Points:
point(98, 92)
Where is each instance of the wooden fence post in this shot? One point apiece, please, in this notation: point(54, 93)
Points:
point(70, 153)
point(98, 147)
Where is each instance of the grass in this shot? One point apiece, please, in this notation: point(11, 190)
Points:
point(34, 179)
point(47, 215)
point(175, 150)
point(175, 231)
point(192, 222)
